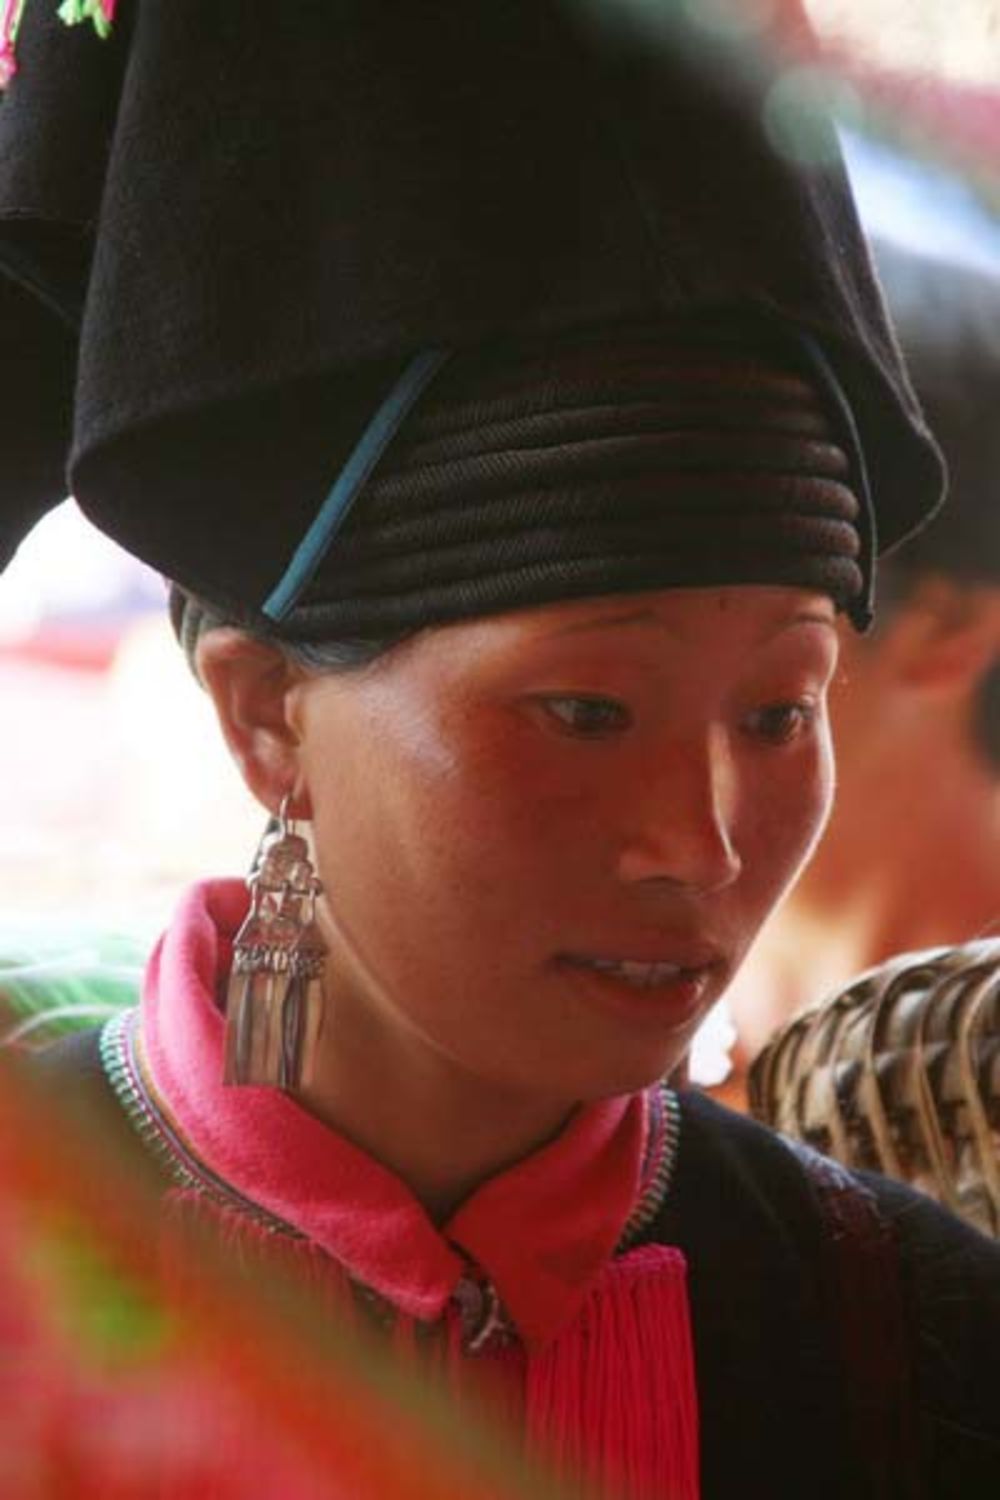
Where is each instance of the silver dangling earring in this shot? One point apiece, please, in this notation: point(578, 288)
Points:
point(274, 1009)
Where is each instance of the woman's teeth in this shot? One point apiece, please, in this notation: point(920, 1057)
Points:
point(642, 975)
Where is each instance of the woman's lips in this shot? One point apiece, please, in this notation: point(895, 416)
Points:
point(665, 987)
point(644, 974)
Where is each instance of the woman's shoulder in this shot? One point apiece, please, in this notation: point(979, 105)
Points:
point(73, 1064)
point(72, 1068)
point(73, 1060)
point(732, 1168)
point(723, 1150)
point(909, 1292)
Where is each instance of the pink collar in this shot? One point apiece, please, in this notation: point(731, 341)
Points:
point(541, 1231)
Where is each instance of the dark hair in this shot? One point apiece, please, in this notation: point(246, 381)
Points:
point(192, 618)
point(948, 320)
point(339, 656)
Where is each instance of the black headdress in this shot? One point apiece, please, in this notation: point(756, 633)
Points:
point(236, 254)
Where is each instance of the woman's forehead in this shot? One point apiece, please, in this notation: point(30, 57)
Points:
point(693, 624)
point(676, 612)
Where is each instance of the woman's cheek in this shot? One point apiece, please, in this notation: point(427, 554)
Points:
point(817, 800)
point(824, 779)
point(794, 803)
point(517, 782)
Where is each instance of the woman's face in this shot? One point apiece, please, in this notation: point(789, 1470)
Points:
point(548, 838)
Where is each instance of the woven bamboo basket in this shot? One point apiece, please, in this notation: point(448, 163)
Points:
point(900, 1073)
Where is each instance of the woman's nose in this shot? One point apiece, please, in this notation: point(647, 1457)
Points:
point(682, 819)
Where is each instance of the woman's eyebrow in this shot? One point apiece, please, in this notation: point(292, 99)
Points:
point(784, 628)
point(811, 617)
point(650, 617)
point(603, 622)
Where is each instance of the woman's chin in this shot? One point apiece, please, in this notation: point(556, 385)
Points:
point(611, 1077)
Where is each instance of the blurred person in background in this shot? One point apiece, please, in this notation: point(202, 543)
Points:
point(911, 857)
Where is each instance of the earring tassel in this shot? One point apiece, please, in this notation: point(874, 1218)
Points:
point(251, 1005)
point(274, 1008)
point(301, 1012)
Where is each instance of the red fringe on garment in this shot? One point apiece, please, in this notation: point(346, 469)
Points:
point(608, 1408)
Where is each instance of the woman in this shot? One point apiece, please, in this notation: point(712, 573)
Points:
point(545, 674)
point(546, 833)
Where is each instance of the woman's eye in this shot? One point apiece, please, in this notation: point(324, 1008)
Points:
point(589, 717)
point(778, 723)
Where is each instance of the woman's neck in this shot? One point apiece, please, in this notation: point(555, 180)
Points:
point(439, 1129)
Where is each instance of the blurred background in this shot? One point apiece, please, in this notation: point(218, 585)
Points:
point(114, 787)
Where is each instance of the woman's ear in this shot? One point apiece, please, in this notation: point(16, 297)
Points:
point(947, 636)
point(251, 685)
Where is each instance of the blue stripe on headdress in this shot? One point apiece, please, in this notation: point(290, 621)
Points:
point(351, 480)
